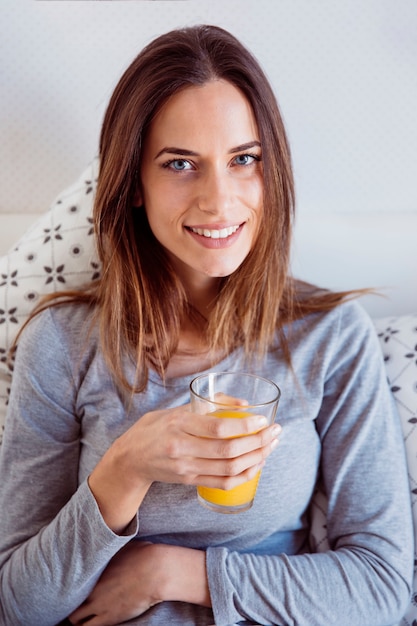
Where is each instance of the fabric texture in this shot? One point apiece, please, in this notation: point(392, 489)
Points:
point(56, 253)
point(338, 422)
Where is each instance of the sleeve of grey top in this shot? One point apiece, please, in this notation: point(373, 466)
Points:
point(365, 578)
point(37, 554)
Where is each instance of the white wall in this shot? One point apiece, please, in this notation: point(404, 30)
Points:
point(345, 74)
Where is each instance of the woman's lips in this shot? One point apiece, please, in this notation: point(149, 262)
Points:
point(215, 233)
point(215, 237)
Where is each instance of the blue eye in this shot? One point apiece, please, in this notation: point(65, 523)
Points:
point(246, 159)
point(179, 165)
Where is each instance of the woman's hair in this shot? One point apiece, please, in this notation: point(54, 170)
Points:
point(141, 302)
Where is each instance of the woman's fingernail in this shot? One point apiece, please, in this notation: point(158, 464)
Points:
point(274, 443)
point(276, 430)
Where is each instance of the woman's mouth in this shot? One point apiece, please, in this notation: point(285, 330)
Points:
point(214, 233)
point(215, 238)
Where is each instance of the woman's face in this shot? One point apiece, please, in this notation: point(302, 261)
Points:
point(201, 181)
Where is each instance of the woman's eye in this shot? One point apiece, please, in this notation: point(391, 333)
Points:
point(179, 165)
point(246, 159)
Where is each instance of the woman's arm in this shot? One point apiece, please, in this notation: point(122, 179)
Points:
point(365, 578)
point(142, 575)
point(56, 536)
point(54, 543)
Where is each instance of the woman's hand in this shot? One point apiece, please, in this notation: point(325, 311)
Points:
point(178, 446)
point(140, 576)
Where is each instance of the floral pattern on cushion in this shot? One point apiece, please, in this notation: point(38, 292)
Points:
point(57, 252)
point(398, 336)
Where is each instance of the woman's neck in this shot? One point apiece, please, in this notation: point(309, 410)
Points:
point(193, 353)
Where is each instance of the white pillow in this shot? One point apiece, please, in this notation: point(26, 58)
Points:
point(56, 253)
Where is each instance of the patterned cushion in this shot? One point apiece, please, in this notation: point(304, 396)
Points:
point(398, 336)
point(58, 252)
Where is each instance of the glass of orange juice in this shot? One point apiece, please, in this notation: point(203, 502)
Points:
point(233, 395)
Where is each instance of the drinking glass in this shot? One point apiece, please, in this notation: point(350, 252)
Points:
point(221, 394)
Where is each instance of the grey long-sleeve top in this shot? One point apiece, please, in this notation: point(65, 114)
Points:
point(339, 424)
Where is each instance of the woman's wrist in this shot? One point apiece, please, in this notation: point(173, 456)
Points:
point(117, 491)
point(185, 575)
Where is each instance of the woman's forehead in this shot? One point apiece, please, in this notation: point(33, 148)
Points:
point(216, 112)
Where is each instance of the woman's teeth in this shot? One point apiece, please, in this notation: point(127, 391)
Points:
point(215, 234)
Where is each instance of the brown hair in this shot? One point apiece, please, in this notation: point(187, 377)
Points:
point(141, 302)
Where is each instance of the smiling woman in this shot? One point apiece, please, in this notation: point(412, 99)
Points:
point(204, 204)
point(102, 451)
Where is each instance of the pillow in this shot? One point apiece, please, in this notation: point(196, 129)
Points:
point(57, 252)
point(398, 338)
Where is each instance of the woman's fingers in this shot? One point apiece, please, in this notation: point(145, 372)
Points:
point(205, 445)
point(213, 437)
point(228, 482)
point(217, 462)
point(176, 445)
point(233, 447)
point(219, 426)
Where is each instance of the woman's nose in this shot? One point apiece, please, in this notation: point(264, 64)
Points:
point(215, 192)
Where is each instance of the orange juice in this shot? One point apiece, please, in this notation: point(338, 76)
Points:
point(240, 497)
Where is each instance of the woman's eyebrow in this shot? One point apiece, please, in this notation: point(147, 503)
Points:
point(174, 150)
point(245, 146)
point(185, 152)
